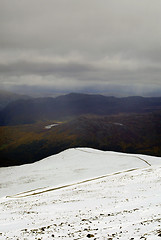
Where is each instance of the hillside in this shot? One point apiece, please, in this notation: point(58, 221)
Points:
point(8, 97)
point(129, 133)
point(46, 201)
point(67, 167)
point(73, 105)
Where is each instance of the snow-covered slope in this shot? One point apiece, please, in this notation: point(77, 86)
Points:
point(106, 195)
point(67, 167)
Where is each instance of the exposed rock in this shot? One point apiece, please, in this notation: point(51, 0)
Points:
point(90, 235)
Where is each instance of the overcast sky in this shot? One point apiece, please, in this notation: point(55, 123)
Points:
point(80, 45)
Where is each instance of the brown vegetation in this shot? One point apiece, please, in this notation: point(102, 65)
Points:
point(131, 133)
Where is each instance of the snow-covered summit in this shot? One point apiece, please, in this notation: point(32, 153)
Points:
point(82, 193)
point(69, 166)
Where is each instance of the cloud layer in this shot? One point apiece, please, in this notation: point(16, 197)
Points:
point(75, 45)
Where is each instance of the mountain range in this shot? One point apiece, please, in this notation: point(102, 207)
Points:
point(73, 105)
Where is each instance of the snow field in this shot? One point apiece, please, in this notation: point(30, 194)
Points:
point(122, 205)
point(70, 166)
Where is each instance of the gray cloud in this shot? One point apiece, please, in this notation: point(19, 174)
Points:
point(21, 68)
point(80, 44)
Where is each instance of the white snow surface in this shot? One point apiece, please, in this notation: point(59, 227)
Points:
point(82, 193)
point(70, 166)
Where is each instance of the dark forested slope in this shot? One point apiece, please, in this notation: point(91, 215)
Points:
point(131, 133)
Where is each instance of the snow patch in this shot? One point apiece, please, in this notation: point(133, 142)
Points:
point(118, 124)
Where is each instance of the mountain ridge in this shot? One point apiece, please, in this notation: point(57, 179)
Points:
point(7, 97)
point(73, 105)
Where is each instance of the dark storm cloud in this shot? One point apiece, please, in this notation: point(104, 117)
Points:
point(75, 43)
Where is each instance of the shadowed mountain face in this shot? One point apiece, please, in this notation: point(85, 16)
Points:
point(130, 133)
point(7, 97)
point(72, 105)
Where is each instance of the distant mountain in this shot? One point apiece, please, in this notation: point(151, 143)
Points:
point(73, 105)
point(7, 97)
point(128, 133)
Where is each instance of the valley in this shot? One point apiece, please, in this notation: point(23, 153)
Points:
point(128, 133)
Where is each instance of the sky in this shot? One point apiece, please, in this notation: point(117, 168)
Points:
point(104, 46)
